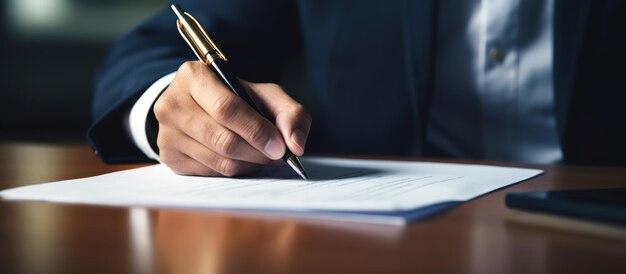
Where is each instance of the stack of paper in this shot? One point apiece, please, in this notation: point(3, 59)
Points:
point(387, 192)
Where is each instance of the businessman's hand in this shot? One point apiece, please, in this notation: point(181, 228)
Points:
point(205, 129)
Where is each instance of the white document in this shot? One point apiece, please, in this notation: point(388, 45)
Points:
point(389, 192)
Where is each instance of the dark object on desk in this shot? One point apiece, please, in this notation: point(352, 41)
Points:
point(604, 205)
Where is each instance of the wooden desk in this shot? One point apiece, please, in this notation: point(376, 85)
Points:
point(475, 237)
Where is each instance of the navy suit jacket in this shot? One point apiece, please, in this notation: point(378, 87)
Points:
point(371, 66)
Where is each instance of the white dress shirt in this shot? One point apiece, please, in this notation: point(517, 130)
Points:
point(139, 115)
point(493, 91)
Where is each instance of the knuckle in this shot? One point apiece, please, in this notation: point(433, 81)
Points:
point(301, 115)
point(163, 142)
point(226, 142)
point(227, 167)
point(184, 166)
point(299, 110)
point(184, 67)
point(200, 127)
point(208, 172)
point(164, 107)
point(201, 170)
point(256, 133)
point(224, 109)
point(188, 66)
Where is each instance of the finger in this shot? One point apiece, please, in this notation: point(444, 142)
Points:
point(205, 130)
point(169, 144)
point(235, 114)
point(223, 141)
point(291, 118)
point(182, 164)
point(181, 111)
point(223, 165)
point(184, 155)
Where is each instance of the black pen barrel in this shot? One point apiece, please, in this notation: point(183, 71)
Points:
point(227, 75)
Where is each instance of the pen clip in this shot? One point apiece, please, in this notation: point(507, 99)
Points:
point(195, 36)
point(195, 51)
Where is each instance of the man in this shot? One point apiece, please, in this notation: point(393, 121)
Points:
point(532, 81)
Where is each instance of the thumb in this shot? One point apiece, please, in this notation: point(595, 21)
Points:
point(290, 117)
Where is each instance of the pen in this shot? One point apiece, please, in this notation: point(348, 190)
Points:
point(208, 52)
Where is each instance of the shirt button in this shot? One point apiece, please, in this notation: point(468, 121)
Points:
point(497, 54)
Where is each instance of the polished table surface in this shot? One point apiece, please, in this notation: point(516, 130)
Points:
point(476, 237)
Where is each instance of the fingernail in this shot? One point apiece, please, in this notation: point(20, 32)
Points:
point(274, 149)
point(299, 138)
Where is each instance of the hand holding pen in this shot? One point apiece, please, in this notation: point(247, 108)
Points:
point(211, 124)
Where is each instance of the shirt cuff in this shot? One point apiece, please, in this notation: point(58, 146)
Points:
point(139, 113)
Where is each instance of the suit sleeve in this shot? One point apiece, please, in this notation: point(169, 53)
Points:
point(256, 36)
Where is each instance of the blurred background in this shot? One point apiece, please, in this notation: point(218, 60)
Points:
point(50, 51)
